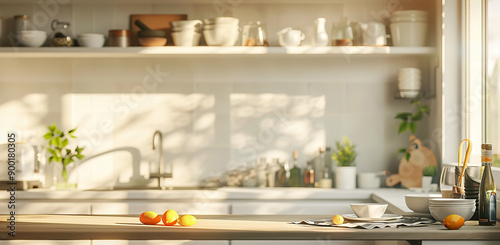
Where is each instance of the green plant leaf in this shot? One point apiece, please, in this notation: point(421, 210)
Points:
point(407, 156)
point(56, 158)
point(47, 136)
point(429, 171)
point(52, 142)
point(79, 156)
point(72, 131)
point(68, 152)
point(58, 142)
point(402, 126)
point(51, 159)
point(425, 108)
point(417, 116)
point(402, 150)
point(72, 136)
point(403, 115)
point(64, 143)
point(413, 127)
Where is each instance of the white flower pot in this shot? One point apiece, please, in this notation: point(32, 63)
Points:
point(345, 178)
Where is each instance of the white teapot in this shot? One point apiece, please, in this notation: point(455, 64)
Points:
point(289, 37)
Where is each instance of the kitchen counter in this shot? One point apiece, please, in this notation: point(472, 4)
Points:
point(226, 227)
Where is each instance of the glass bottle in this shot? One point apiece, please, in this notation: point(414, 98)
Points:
point(281, 180)
point(326, 180)
point(319, 165)
point(309, 175)
point(262, 172)
point(294, 172)
point(254, 34)
point(487, 195)
point(271, 172)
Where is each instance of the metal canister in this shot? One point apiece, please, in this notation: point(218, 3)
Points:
point(21, 23)
point(119, 38)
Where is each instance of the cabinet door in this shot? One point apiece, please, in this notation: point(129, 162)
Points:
point(293, 207)
point(138, 207)
point(158, 242)
point(37, 207)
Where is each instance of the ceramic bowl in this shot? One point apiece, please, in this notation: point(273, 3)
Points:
point(221, 20)
point(92, 40)
point(419, 203)
point(186, 38)
point(152, 41)
point(368, 210)
point(440, 213)
point(183, 24)
point(31, 38)
point(220, 37)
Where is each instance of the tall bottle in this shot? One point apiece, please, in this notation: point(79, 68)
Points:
point(319, 166)
point(487, 195)
point(309, 175)
point(294, 172)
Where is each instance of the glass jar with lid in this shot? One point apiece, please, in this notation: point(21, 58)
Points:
point(61, 34)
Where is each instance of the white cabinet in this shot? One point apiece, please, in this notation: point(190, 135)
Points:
point(138, 207)
point(326, 207)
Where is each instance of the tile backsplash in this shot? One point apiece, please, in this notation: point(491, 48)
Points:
point(215, 114)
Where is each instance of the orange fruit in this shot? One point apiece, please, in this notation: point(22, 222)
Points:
point(170, 217)
point(453, 221)
point(187, 220)
point(337, 220)
point(149, 218)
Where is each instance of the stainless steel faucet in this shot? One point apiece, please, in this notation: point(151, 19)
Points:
point(161, 175)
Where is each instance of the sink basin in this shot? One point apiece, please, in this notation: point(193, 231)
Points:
point(143, 188)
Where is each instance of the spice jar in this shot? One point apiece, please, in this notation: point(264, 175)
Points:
point(119, 38)
point(21, 23)
point(61, 35)
point(254, 34)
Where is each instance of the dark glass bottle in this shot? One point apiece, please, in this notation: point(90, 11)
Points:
point(294, 180)
point(309, 175)
point(487, 195)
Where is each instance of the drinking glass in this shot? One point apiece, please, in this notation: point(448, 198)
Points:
point(447, 180)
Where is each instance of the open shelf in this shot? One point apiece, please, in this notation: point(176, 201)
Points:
point(113, 52)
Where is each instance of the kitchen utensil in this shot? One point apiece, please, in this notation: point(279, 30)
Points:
point(61, 34)
point(119, 38)
point(92, 40)
point(253, 34)
point(458, 189)
point(157, 22)
point(368, 210)
point(419, 202)
point(289, 37)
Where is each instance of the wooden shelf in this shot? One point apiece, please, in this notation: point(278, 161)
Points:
point(141, 52)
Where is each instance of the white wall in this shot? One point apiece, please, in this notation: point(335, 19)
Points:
point(216, 113)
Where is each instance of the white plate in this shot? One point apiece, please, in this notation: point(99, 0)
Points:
point(384, 217)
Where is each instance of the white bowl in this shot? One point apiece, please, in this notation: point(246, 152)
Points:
point(451, 201)
point(410, 34)
point(221, 26)
point(368, 210)
point(409, 94)
point(419, 202)
point(91, 41)
point(31, 38)
point(221, 20)
point(440, 213)
point(186, 38)
point(220, 37)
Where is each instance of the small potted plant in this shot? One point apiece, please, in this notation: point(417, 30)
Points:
point(60, 152)
point(427, 174)
point(345, 156)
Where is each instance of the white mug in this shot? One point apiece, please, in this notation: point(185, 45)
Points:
point(289, 37)
point(373, 34)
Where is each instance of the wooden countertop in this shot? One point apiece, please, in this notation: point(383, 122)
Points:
point(224, 227)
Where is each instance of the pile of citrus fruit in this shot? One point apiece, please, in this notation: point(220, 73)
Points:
point(169, 218)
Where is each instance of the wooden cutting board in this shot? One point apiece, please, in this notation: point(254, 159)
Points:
point(155, 22)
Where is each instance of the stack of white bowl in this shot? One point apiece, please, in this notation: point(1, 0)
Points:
point(409, 28)
point(442, 207)
point(31, 38)
point(91, 40)
point(221, 31)
point(409, 82)
point(186, 32)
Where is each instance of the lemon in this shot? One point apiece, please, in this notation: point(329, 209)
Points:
point(187, 220)
point(453, 222)
point(170, 217)
point(149, 218)
point(337, 220)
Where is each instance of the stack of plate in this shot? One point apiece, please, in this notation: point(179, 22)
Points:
point(442, 207)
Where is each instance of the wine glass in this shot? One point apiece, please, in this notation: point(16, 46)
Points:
point(447, 180)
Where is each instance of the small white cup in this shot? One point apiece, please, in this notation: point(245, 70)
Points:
point(290, 38)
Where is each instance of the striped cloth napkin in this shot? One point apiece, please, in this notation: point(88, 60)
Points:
point(370, 225)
